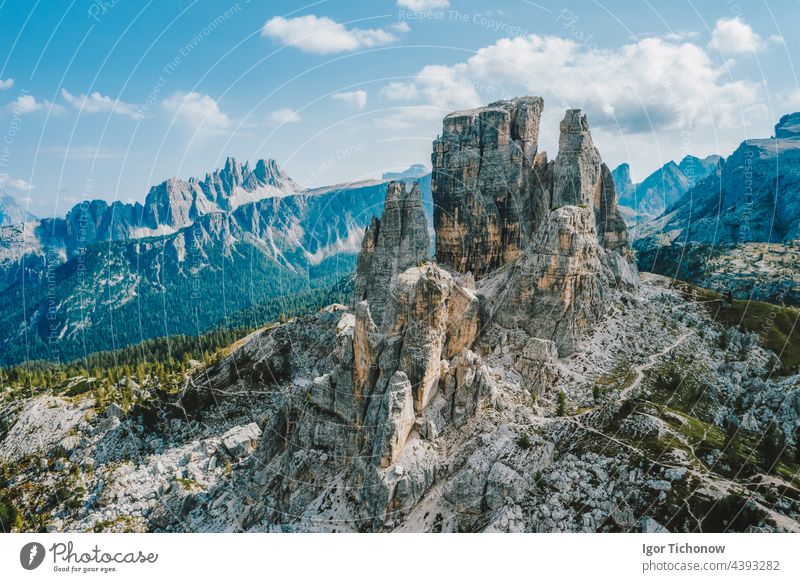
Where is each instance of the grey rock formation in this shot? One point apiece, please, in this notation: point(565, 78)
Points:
point(391, 244)
point(395, 420)
point(577, 168)
point(556, 289)
point(559, 289)
point(788, 126)
point(611, 228)
point(482, 166)
point(493, 192)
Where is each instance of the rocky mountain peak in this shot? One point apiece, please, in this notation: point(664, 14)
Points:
point(576, 173)
point(413, 171)
point(407, 365)
point(788, 127)
point(391, 244)
point(11, 212)
point(482, 165)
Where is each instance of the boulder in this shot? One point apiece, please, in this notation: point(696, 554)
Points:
point(241, 440)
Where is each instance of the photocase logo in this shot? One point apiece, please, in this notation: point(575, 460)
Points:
point(31, 555)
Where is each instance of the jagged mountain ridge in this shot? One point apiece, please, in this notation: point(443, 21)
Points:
point(735, 230)
point(169, 206)
point(11, 212)
point(225, 260)
point(661, 189)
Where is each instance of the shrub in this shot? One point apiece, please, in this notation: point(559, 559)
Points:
point(561, 406)
point(10, 517)
point(524, 441)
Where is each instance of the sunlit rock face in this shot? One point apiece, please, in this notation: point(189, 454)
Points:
point(482, 170)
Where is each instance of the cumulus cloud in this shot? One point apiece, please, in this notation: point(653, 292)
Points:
point(19, 184)
point(6, 83)
point(285, 115)
point(398, 91)
point(651, 84)
point(421, 5)
point(196, 109)
point(99, 103)
point(733, 35)
point(323, 35)
point(441, 88)
point(357, 99)
point(28, 104)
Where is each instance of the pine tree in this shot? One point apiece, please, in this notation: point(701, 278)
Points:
point(561, 407)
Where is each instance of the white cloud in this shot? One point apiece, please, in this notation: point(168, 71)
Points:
point(28, 104)
point(398, 91)
point(422, 5)
point(323, 35)
point(6, 83)
point(733, 35)
point(196, 109)
point(790, 99)
point(98, 103)
point(443, 89)
point(651, 84)
point(357, 99)
point(284, 115)
point(19, 184)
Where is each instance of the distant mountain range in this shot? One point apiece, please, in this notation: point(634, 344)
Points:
point(661, 189)
point(196, 254)
point(246, 243)
point(11, 212)
point(738, 229)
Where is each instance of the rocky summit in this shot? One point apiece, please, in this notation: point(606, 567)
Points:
point(521, 377)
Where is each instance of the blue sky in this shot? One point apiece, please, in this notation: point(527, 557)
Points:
point(104, 98)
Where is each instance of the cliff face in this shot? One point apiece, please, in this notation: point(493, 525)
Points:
point(391, 244)
point(482, 167)
point(492, 191)
point(544, 239)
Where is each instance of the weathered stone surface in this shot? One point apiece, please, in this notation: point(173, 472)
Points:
point(395, 421)
point(576, 171)
point(481, 171)
point(536, 363)
point(611, 228)
point(393, 243)
point(464, 382)
point(557, 290)
point(241, 440)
